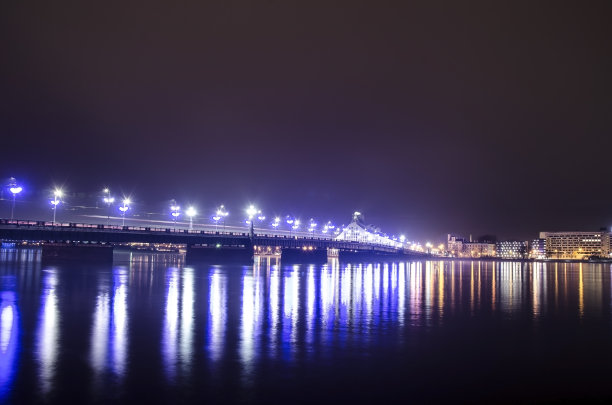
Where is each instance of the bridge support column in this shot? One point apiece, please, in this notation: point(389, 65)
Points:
point(267, 255)
point(77, 252)
point(333, 253)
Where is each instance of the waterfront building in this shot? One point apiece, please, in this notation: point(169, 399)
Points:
point(459, 247)
point(479, 249)
point(454, 245)
point(512, 249)
point(538, 249)
point(576, 245)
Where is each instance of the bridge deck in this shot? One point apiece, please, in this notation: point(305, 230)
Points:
point(41, 231)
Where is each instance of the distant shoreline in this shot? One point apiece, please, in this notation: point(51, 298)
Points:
point(500, 259)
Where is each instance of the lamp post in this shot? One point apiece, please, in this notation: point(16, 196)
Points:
point(296, 225)
point(428, 245)
point(312, 226)
point(124, 208)
point(276, 223)
point(330, 227)
point(191, 212)
point(108, 200)
point(290, 221)
point(15, 189)
point(251, 212)
point(175, 211)
point(57, 194)
point(221, 213)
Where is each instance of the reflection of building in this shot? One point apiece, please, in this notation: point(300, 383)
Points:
point(459, 247)
point(511, 249)
point(538, 249)
point(576, 245)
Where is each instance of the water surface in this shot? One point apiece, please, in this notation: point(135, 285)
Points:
point(151, 329)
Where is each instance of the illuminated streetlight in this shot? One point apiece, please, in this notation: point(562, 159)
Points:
point(251, 212)
point(428, 245)
point(296, 225)
point(175, 211)
point(328, 228)
point(276, 222)
point(15, 189)
point(290, 221)
point(108, 200)
point(221, 213)
point(57, 194)
point(123, 209)
point(191, 212)
point(312, 226)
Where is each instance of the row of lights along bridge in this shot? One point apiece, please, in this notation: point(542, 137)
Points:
point(175, 210)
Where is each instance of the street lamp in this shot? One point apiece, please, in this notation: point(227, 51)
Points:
point(290, 222)
point(57, 194)
point(312, 226)
point(191, 212)
point(276, 223)
point(124, 208)
point(175, 211)
point(328, 227)
point(220, 214)
point(251, 212)
point(108, 200)
point(428, 245)
point(296, 225)
point(15, 189)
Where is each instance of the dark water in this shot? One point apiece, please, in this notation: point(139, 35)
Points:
point(153, 330)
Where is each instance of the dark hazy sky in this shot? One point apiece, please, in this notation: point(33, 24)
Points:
point(430, 117)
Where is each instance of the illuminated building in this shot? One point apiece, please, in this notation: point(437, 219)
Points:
point(454, 245)
point(459, 247)
point(511, 249)
point(576, 245)
point(357, 231)
point(538, 249)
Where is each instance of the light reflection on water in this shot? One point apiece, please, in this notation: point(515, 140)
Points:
point(48, 330)
point(200, 320)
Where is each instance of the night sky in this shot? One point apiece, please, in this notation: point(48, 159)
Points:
point(429, 117)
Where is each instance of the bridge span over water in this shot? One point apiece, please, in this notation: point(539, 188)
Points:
point(95, 240)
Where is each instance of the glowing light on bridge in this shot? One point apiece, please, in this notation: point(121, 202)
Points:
point(14, 189)
point(124, 208)
point(175, 211)
point(191, 212)
point(57, 195)
point(108, 200)
point(220, 214)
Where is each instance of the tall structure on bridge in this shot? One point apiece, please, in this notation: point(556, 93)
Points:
point(358, 231)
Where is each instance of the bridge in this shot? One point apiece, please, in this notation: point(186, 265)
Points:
point(79, 240)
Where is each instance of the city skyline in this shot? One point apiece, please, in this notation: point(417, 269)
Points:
point(115, 206)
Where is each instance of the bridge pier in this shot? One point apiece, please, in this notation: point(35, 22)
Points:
point(80, 252)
